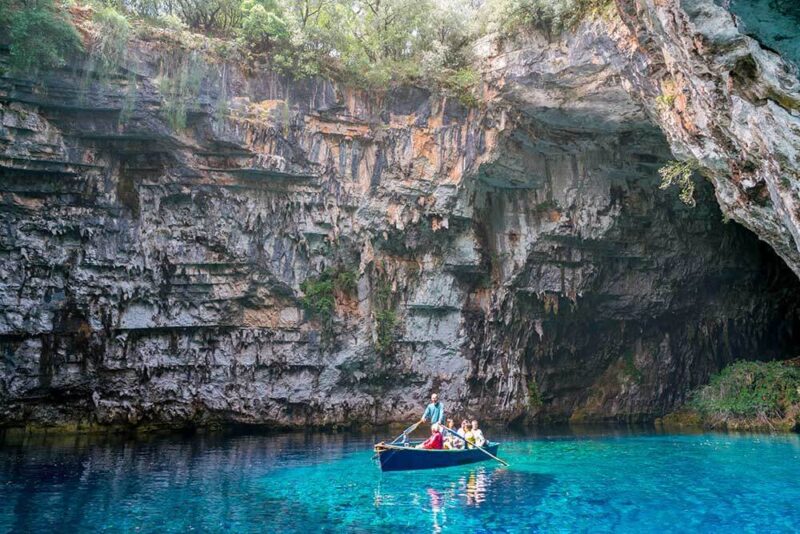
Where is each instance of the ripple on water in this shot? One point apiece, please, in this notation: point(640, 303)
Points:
point(618, 482)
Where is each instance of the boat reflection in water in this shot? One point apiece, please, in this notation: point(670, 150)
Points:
point(475, 487)
point(436, 510)
point(468, 490)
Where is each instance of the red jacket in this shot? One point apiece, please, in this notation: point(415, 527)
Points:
point(434, 442)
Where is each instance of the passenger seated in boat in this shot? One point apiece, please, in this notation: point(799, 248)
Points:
point(475, 435)
point(463, 433)
point(435, 441)
point(450, 441)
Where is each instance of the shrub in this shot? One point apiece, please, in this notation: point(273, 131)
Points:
point(170, 21)
point(509, 17)
point(219, 17)
point(385, 330)
point(262, 26)
point(462, 84)
point(40, 35)
point(680, 173)
point(319, 295)
point(750, 390)
point(129, 102)
point(346, 282)
point(110, 45)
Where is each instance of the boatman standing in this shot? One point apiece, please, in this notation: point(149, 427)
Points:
point(434, 412)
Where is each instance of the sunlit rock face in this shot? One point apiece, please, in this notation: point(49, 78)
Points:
point(151, 274)
point(726, 102)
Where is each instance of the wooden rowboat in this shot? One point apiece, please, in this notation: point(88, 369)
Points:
point(407, 458)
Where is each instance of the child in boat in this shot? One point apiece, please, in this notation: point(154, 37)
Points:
point(450, 441)
point(435, 441)
point(463, 433)
point(475, 435)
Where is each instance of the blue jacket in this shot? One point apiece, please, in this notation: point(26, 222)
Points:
point(434, 413)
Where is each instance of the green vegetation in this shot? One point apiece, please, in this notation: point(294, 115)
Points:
point(179, 84)
point(750, 389)
point(680, 173)
point(40, 34)
point(319, 295)
point(385, 317)
point(665, 101)
point(630, 368)
point(262, 26)
point(510, 17)
point(109, 49)
point(365, 43)
point(747, 395)
point(129, 102)
point(534, 396)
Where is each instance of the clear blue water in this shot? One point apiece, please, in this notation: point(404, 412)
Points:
point(606, 481)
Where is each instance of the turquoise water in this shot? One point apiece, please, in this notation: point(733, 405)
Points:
point(606, 481)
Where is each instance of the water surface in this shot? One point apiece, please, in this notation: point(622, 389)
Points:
point(605, 481)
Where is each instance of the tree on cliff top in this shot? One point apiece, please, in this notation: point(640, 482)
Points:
point(40, 34)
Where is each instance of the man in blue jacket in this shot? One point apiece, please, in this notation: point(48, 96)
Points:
point(434, 412)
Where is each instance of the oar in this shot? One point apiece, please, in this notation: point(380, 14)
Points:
point(484, 451)
point(407, 431)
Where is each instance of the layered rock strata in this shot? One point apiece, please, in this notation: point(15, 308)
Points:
point(519, 257)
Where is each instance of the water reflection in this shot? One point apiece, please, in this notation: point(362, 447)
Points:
point(450, 497)
point(476, 485)
point(612, 480)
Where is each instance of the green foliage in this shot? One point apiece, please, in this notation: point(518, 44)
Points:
point(385, 317)
point(680, 173)
point(179, 83)
point(109, 49)
point(630, 368)
point(750, 390)
point(366, 43)
point(462, 83)
point(216, 17)
point(510, 17)
point(319, 295)
point(221, 108)
point(129, 102)
point(171, 21)
point(534, 396)
point(665, 101)
point(262, 25)
point(40, 34)
point(346, 282)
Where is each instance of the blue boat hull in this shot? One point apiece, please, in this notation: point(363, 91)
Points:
point(409, 458)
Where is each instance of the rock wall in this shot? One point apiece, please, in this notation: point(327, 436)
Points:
point(726, 102)
point(152, 269)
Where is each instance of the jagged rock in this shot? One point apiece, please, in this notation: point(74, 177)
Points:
point(536, 272)
point(728, 103)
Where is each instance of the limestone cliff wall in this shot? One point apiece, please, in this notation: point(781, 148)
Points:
point(150, 272)
point(729, 102)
